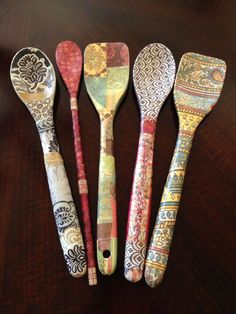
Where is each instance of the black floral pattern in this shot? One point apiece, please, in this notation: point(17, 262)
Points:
point(46, 129)
point(64, 215)
point(53, 145)
point(75, 259)
point(45, 125)
point(32, 70)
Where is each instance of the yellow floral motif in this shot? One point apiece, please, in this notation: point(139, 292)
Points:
point(217, 76)
point(95, 64)
point(72, 235)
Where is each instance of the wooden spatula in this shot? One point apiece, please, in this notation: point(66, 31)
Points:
point(69, 61)
point(153, 75)
point(197, 88)
point(106, 74)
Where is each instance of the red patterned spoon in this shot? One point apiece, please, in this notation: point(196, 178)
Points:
point(69, 62)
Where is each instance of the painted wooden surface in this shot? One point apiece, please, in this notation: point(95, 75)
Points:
point(34, 81)
point(153, 77)
point(201, 266)
point(69, 61)
point(106, 75)
point(198, 85)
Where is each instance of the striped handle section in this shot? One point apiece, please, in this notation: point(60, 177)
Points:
point(160, 243)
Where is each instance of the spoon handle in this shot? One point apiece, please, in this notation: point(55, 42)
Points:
point(63, 205)
point(83, 191)
point(159, 246)
point(106, 216)
point(140, 204)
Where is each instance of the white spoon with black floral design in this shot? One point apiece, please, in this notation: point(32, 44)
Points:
point(34, 81)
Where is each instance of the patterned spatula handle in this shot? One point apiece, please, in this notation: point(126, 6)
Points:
point(63, 205)
point(106, 219)
point(159, 246)
point(140, 202)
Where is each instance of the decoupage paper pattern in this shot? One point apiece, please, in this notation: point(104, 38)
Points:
point(33, 79)
point(153, 76)
point(69, 61)
point(197, 88)
point(106, 73)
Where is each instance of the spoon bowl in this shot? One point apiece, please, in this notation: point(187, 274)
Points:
point(153, 77)
point(69, 61)
point(34, 80)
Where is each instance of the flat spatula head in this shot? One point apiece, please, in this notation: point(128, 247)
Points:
point(34, 81)
point(153, 76)
point(106, 74)
point(199, 82)
point(69, 61)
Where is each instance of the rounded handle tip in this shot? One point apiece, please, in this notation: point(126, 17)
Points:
point(78, 274)
point(92, 276)
point(153, 276)
point(107, 255)
point(133, 275)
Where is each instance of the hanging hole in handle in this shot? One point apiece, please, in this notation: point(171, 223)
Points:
point(106, 253)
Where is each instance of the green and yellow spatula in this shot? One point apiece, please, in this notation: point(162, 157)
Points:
point(106, 74)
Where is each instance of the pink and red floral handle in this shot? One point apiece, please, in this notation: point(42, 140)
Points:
point(69, 61)
point(140, 202)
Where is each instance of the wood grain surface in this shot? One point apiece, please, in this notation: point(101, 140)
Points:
point(200, 276)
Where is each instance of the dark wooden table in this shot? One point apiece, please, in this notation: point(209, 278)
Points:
point(200, 277)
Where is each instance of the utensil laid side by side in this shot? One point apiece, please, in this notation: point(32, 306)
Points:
point(69, 62)
point(153, 76)
point(106, 74)
point(197, 88)
point(34, 81)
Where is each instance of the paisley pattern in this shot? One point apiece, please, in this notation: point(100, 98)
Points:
point(197, 88)
point(153, 77)
point(33, 79)
point(106, 73)
point(69, 61)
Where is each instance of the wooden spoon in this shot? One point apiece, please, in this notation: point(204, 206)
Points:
point(106, 74)
point(153, 75)
point(197, 88)
point(34, 81)
point(69, 62)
